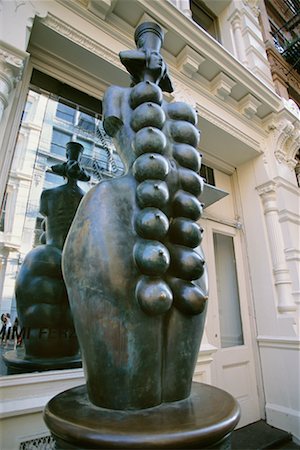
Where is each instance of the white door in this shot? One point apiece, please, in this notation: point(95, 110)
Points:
point(228, 320)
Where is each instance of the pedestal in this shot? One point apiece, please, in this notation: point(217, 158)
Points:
point(204, 420)
point(16, 363)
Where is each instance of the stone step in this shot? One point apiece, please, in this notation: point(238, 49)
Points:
point(261, 436)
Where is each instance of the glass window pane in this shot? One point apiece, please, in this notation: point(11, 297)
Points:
point(203, 17)
point(52, 180)
point(87, 122)
point(87, 146)
point(59, 141)
point(228, 294)
point(65, 112)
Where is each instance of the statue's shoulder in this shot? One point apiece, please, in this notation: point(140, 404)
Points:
point(109, 191)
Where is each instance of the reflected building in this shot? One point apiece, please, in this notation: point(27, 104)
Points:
point(48, 122)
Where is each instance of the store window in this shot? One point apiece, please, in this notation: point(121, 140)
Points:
point(54, 114)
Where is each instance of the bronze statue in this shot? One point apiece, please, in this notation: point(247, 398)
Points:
point(42, 300)
point(137, 281)
point(132, 262)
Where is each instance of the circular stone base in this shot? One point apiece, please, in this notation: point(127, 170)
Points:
point(17, 362)
point(204, 420)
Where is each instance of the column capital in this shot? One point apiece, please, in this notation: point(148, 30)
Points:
point(266, 189)
point(285, 131)
point(12, 63)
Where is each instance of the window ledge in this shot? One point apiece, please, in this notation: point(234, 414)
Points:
point(18, 396)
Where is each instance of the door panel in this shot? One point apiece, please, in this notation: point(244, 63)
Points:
point(228, 322)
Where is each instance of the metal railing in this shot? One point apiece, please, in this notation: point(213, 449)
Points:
point(287, 37)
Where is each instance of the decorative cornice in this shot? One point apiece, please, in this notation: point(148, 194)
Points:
point(81, 39)
point(222, 85)
point(188, 61)
point(248, 106)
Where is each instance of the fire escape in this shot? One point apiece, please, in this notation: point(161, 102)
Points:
point(287, 37)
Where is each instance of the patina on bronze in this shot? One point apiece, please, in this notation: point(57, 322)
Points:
point(203, 420)
point(43, 308)
point(136, 277)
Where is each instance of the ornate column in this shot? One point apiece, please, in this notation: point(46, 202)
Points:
point(11, 68)
point(12, 62)
point(236, 24)
point(282, 280)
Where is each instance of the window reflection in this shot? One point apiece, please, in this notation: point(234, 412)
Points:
point(48, 123)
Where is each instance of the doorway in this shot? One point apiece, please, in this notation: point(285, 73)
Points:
point(234, 367)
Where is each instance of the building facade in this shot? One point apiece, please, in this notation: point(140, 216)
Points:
point(57, 58)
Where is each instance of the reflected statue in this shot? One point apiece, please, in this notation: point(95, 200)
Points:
point(137, 280)
point(42, 302)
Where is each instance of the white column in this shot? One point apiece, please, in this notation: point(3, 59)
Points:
point(236, 24)
point(281, 273)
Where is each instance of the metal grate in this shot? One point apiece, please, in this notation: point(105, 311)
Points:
point(41, 443)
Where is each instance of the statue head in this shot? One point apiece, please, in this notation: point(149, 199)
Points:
point(146, 63)
point(74, 151)
point(149, 36)
point(71, 169)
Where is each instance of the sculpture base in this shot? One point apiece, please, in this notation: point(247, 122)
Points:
point(17, 362)
point(204, 420)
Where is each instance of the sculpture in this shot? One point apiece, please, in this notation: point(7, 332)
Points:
point(42, 300)
point(132, 264)
point(137, 281)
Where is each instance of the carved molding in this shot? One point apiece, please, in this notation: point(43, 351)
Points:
point(281, 68)
point(288, 142)
point(183, 94)
point(266, 188)
point(222, 85)
point(248, 105)
point(188, 61)
point(79, 38)
point(11, 69)
point(253, 5)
